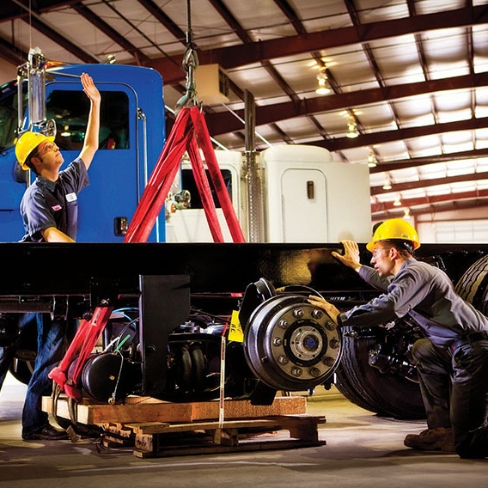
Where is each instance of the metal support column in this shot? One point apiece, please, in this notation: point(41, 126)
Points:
point(254, 177)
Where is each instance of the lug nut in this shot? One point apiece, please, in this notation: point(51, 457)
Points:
point(315, 372)
point(317, 314)
point(283, 324)
point(328, 361)
point(298, 313)
point(334, 344)
point(296, 371)
point(330, 325)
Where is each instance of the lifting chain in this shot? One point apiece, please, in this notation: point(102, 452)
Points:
point(190, 64)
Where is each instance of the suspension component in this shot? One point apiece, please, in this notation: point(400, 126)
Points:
point(109, 377)
point(387, 360)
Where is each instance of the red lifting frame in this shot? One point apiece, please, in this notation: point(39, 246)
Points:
point(189, 125)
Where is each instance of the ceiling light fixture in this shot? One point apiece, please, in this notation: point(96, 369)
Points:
point(397, 202)
point(323, 83)
point(352, 130)
point(406, 214)
point(387, 184)
point(372, 161)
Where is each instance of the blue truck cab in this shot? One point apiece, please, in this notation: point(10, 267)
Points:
point(132, 135)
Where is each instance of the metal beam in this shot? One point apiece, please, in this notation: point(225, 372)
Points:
point(33, 18)
point(429, 208)
point(244, 54)
point(426, 183)
point(14, 9)
point(244, 36)
point(441, 158)
point(163, 19)
point(12, 54)
point(223, 122)
point(342, 143)
point(55, 36)
point(110, 32)
point(416, 202)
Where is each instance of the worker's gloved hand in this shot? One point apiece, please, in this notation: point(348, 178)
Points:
point(351, 255)
point(330, 310)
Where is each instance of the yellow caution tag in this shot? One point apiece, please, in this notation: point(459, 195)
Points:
point(235, 330)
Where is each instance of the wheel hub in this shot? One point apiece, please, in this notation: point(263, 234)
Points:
point(291, 345)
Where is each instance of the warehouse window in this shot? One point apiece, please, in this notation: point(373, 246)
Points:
point(461, 231)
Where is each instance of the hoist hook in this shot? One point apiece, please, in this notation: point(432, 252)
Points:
point(190, 64)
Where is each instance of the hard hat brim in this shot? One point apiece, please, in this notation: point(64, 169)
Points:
point(22, 160)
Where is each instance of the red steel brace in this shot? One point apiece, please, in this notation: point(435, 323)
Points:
point(182, 138)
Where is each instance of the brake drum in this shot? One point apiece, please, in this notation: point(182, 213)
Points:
point(290, 344)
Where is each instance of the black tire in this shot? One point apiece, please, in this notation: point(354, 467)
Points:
point(21, 368)
point(473, 285)
point(25, 352)
point(386, 394)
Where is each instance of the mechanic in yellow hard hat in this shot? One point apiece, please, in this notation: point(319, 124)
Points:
point(49, 207)
point(26, 147)
point(49, 210)
point(451, 358)
point(397, 229)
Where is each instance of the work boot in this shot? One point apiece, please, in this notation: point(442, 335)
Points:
point(438, 439)
point(48, 433)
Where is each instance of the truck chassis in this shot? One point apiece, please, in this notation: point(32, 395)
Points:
point(372, 367)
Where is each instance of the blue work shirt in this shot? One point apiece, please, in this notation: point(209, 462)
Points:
point(54, 204)
point(426, 294)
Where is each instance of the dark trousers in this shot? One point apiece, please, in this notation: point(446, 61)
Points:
point(454, 386)
point(52, 342)
point(53, 336)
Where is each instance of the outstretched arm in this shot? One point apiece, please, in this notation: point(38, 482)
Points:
point(90, 145)
point(52, 234)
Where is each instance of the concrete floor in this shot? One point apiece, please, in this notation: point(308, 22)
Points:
point(361, 451)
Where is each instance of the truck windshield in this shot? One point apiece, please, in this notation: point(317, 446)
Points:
point(70, 111)
point(8, 114)
point(188, 183)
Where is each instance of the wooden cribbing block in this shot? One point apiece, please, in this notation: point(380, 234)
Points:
point(147, 409)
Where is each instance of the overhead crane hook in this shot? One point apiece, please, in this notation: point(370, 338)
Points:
point(190, 64)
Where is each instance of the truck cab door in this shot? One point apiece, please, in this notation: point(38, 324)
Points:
point(118, 171)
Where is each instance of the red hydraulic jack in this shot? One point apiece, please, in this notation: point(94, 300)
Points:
point(189, 126)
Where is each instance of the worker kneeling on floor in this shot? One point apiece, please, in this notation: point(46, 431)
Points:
point(452, 356)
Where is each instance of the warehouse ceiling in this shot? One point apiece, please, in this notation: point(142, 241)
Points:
point(409, 76)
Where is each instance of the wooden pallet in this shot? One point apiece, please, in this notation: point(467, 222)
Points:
point(158, 439)
point(156, 428)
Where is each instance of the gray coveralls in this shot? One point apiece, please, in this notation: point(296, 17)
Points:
point(452, 359)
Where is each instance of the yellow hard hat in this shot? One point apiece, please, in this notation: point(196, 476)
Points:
point(27, 142)
point(394, 229)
